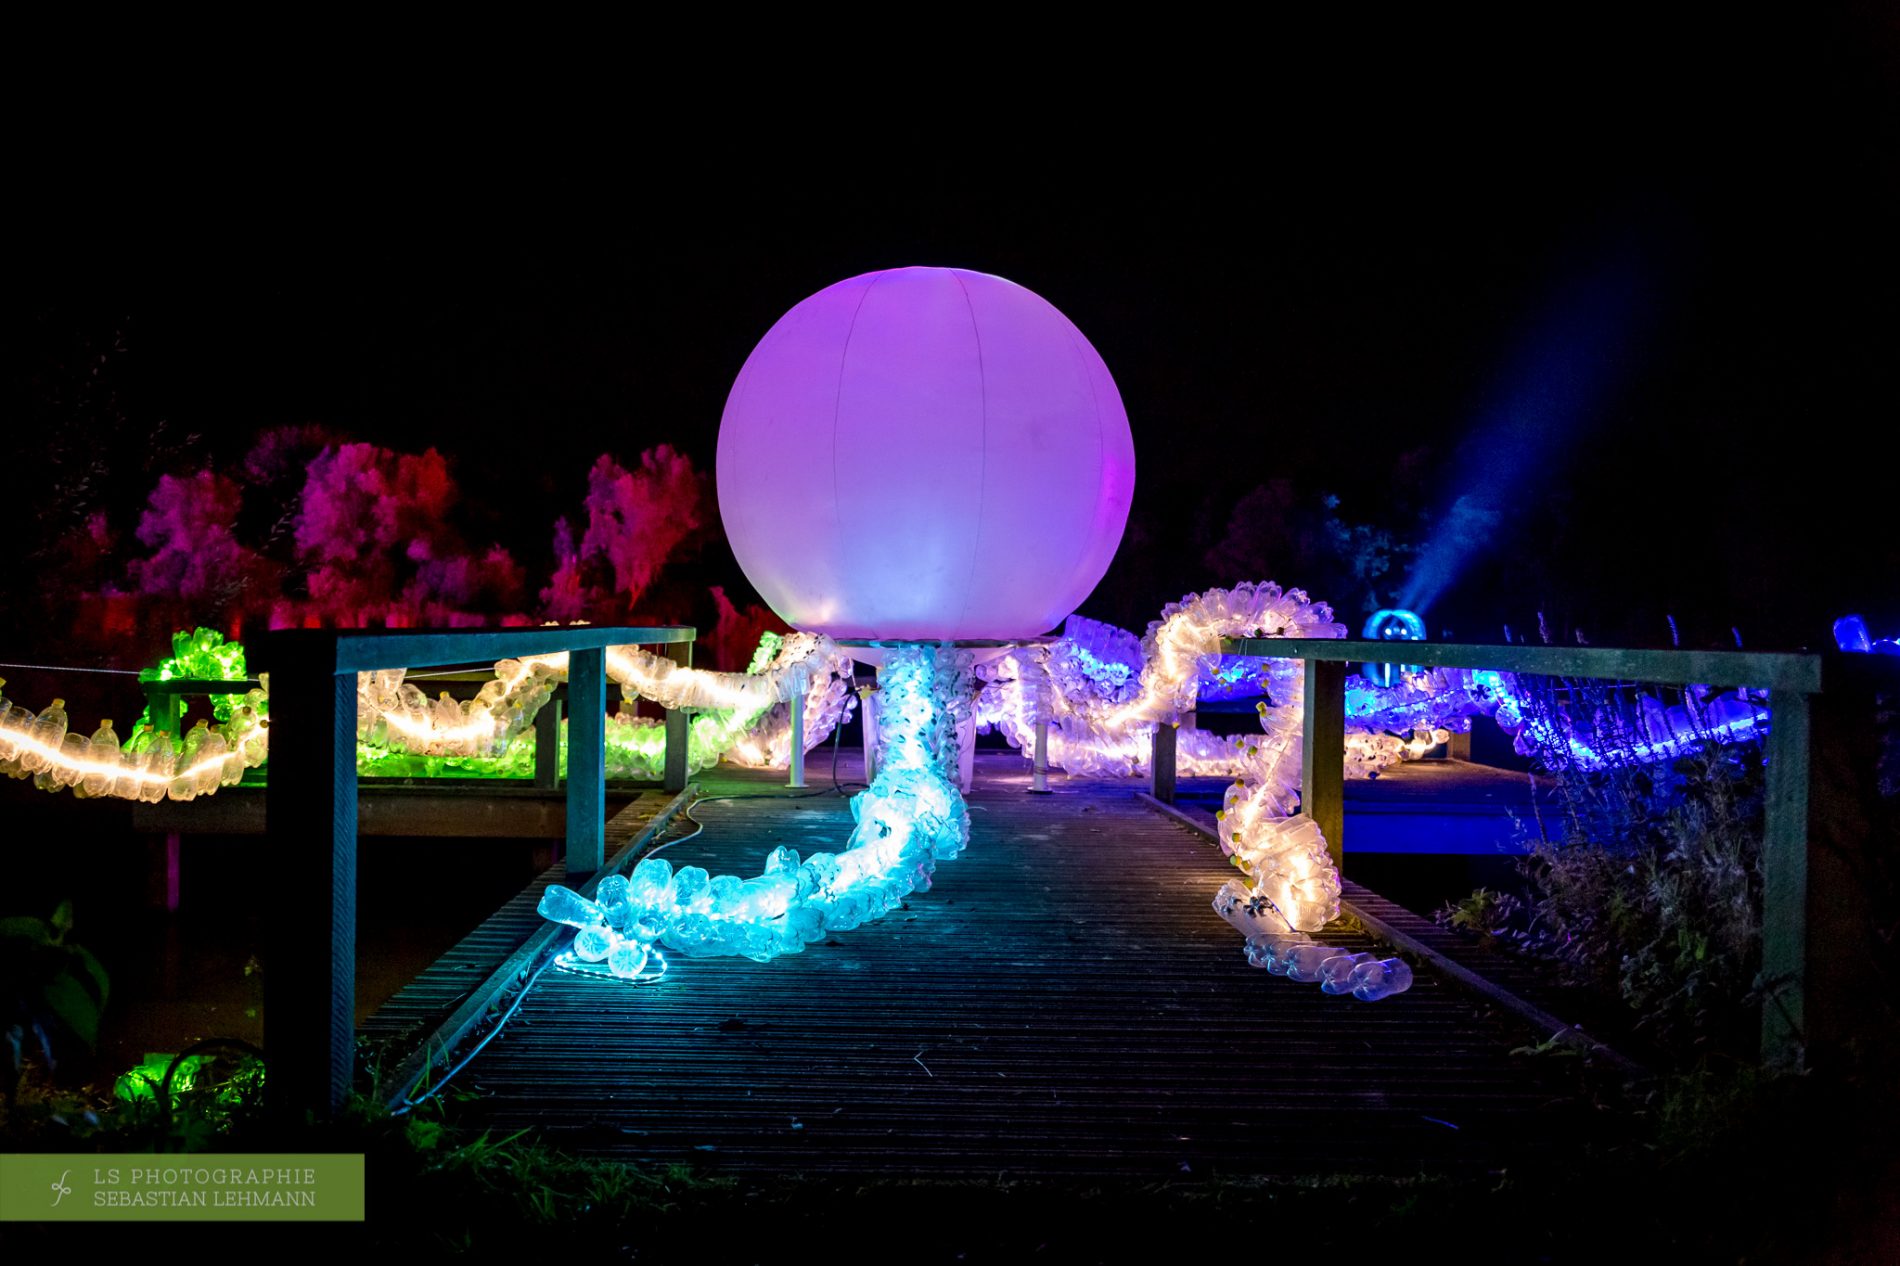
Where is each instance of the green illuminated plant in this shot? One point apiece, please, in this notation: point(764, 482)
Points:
point(200, 655)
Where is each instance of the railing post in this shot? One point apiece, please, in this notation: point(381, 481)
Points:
point(1039, 772)
point(586, 762)
point(867, 717)
point(308, 888)
point(547, 745)
point(165, 712)
point(1817, 843)
point(1323, 753)
point(1161, 764)
point(677, 721)
point(797, 761)
point(1784, 865)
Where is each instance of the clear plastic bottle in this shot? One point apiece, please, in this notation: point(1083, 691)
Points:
point(1381, 979)
point(561, 904)
point(1269, 949)
point(208, 769)
point(1303, 962)
point(1335, 971)
point(49, 730)
point(126, 783)
point(627, 958)
point(160, 763)
point(592, 944)
point(102, 757)
point(16, 723)
point(233, 772)
point(184, 774)
point(67, 770)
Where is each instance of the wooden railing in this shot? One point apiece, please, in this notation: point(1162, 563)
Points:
point(307, 900)
point(1819, 752)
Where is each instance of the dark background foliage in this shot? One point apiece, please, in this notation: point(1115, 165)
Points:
point(1627, 290)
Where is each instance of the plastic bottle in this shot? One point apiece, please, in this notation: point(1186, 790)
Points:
point(208, 769)
point(563, 905)
point(591, 944)
point(161, 762)
point(103, 753)
point(184, 776)
point(1373, 981)
point(627, 958)
point(1304, 961)
point(1269, 949)
point(49, 730)
point(1335, 971)
point(126, 784)
point(66, 770)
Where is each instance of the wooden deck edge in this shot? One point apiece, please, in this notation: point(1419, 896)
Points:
point(435, 1049)
point(1569, 1034)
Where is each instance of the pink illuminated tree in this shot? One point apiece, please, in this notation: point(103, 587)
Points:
point(375, 535)
point(735, 633)
point(637, 521)
point(198, 565)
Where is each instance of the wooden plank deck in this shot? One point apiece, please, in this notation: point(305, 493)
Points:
point(1063, 1003)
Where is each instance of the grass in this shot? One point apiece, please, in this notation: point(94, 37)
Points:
point(1710, 1166)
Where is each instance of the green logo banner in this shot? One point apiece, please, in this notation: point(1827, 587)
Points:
point(141, 1187)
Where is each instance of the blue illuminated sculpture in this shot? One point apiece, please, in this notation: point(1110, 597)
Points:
point(1391, 624)
point(1850, 634)
point(911, 818)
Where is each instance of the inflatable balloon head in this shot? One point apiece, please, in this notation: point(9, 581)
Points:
point(924, 453)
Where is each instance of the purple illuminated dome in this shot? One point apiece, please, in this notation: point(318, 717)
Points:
point(924, 453)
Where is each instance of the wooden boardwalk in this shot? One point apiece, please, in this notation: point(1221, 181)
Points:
point(1063, 1003)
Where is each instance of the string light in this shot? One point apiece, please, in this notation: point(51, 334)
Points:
point(395, 720)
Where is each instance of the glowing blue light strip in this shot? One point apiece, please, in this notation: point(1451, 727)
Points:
point(911, 817)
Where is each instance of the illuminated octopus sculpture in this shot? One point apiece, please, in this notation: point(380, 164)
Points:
point(910, 460)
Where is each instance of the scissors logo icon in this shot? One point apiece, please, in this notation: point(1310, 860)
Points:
point(60, 1189)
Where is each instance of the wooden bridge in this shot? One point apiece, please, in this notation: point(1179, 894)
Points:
point(1064, 1001)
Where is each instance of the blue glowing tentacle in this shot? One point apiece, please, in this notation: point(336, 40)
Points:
point(910, 818)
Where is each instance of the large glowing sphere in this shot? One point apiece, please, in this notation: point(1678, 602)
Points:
point(924, 453)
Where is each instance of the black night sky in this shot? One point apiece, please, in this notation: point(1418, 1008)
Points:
point(1639, 297)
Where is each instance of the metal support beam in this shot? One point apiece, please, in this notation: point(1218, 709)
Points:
point(677, 722)
point(797, 762)
point(166, 710)
point(867, 717)
point(1161, 764)
point(547, 745)
point(1039, 773)
point(586, 761)
point(1323, 753)
point(309, 884)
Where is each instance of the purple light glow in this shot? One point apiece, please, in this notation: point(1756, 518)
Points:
point(924, 453)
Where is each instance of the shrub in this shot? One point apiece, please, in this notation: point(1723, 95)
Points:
point(1646, 885)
